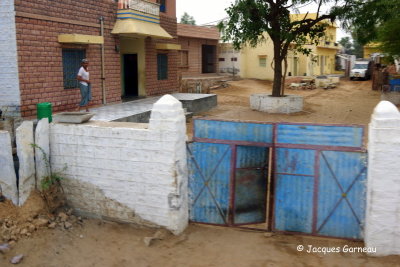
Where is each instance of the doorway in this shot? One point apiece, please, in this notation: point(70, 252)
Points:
point(209, 58)
point(131, 79)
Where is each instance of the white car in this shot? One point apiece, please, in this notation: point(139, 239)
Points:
point(361, 70)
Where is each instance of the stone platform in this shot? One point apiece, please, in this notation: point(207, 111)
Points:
point(140, 110)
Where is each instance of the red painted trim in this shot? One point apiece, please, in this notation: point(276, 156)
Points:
point(271, 222)
point(232, 188)
point(321, 147)
point(316, 192)
point(231, 142)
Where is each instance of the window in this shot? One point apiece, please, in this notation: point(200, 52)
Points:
point(221, 59)
point(71, 59)
point(184, 58)
point(262, 61)
point(162, 66)
point(162, 5)
point(234, 59)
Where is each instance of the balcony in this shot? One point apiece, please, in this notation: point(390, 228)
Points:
point(138, 18)
point(328, 44)
point(141, 6)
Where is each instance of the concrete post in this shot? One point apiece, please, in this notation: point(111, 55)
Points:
point(42, 151)
point(382, 229)
point(168, 117)
point(8, 179)
point(26, 184)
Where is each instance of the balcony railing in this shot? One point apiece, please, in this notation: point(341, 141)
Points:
point(140, 5)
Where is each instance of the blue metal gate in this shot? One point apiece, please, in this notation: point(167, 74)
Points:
point(227, 172)
point(319, 174)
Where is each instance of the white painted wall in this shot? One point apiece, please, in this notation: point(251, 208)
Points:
point(124, 171)
point(227, 66)
point(382, 229)
point(9, 83)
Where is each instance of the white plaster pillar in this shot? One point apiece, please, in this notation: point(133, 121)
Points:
point(24, 137)
point(382, 229)
point(10, 99)
point(42, 151)
point(168, 117)
point(8, 179)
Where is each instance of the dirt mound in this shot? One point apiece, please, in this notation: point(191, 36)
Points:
point(17, 222)
point(33, 207)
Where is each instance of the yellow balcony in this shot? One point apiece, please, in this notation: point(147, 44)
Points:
point(139, 18)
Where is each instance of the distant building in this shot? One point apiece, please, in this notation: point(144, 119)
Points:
point(257, 62)
point(229, 60)
point(199, 49)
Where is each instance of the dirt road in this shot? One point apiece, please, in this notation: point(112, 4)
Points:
point(101, 244)
point(352, 102)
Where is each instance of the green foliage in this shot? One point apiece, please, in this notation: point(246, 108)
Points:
point(375, 21)
point(250, 22)
point(187, 19)
point(52, 178)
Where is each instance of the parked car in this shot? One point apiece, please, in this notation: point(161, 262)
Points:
point(361, 70)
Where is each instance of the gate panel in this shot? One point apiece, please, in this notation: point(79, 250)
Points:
point(293, 203)
point(209, 180)
point(250, 185)
point(294, 189)
point(341, 198)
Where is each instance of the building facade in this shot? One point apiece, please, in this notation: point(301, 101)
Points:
point(256, 62)
point(131, 46)
point(199, 49)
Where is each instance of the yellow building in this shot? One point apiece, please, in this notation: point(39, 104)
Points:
point(370, 49)
point(257, 62)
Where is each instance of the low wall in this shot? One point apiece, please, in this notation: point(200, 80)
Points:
point(124, 171)
point(382, 229)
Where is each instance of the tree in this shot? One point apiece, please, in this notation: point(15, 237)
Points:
point(187, 19)
point(375, 21)
point(248, 20)
point(347, 45)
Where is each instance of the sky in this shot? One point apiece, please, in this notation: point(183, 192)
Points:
point(211, 11)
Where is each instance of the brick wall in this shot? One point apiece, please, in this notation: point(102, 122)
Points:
point(194, 48)
point(127, 172)
point(38, 25)
point(9, 85)
point(153, 85)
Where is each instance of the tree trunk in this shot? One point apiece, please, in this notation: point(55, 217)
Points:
point(277, 85)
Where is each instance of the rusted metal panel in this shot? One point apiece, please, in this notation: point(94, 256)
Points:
point(341, 194)
point(342, 136)
point(293, 203)
point(295, 161)
point(229, 130)
point(209, 181)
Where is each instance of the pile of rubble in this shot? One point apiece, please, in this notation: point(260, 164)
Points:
point(12, 230)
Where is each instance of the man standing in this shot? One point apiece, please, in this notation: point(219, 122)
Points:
point(84, 85)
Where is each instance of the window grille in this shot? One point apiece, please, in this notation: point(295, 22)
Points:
point(71, 63)
point(262, 61)
point(162, 66)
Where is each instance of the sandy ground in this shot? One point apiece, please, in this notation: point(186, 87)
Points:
point(98, 243)
point(352, 102)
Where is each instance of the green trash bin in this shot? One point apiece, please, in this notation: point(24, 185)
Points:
point(44, 110)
